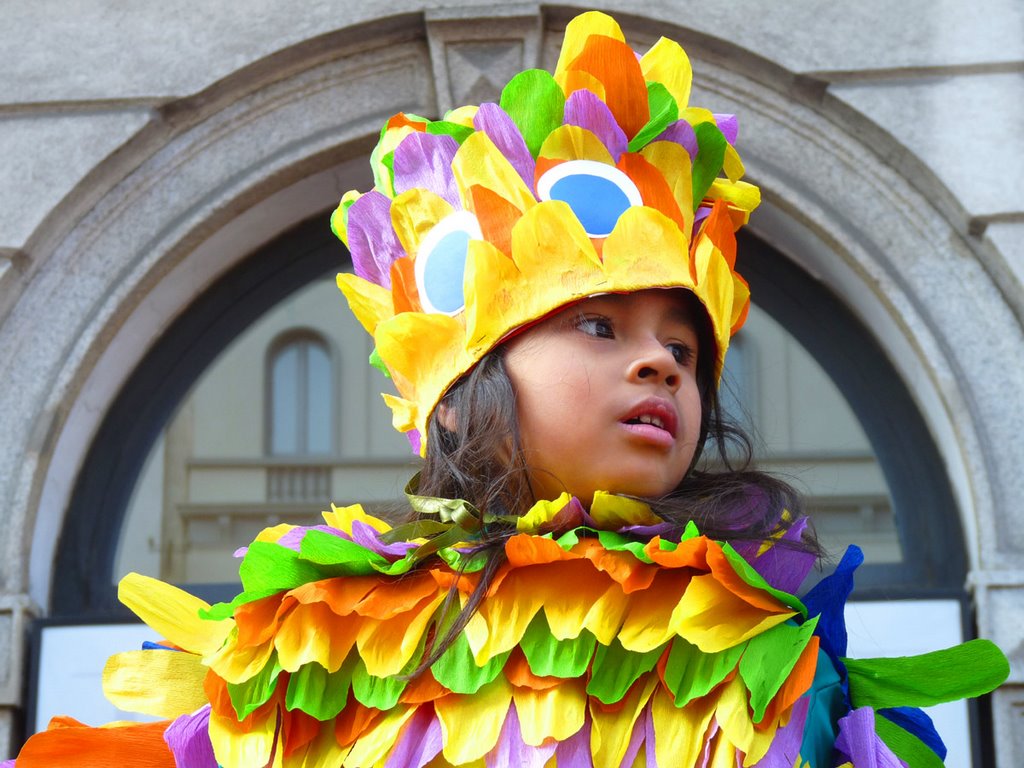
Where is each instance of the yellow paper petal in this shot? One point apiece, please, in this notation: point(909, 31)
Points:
point(462, 115)
point(233, 747)
point(338, 215)
point(414, 213)
point(612, 512)
point(733, 718)
point(542, 512)
point(744, 196)
point(491, 279)
point(274, 533)
point(173, 613)
point(634, 253)
point(342, 518)
point(713, 618)
point(673, 161)
point(369, 302)
point(161, 683)
point(732, 165)
point(579, 29)
point(373, 746)
point(605, 617)
point(479, 163)
point(387, 646)
point(572, 80)
point(646, 626)
point(611, 731)
point(314, 633)
point(554, 713)
point(570, 142)
point(235, 664)
point(323, 752)
point(681, 731)
point(470, 725)
point(667, 63)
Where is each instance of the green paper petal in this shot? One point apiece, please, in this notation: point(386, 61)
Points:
point(708, 163)
point(971, 669)
point(905, 745)
point(219, 611)
point(337, 556)
point(376, 692)
point(536, 104)
point(249, 696)
point(444, 128)
point(664, 111)
point(616, 669)
point(547, 655)
point(377, 361)
point(768, 660)
point(457, 671)
point(270, 568)
point(617, 542)
point(319, 693)
point(690, 673)
point(469, 563)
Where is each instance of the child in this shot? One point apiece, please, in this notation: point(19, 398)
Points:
point(550, 284)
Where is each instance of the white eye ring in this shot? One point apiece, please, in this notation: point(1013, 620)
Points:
point(596, 208)
point(443, 293)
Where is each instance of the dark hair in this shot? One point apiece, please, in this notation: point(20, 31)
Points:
point(481, 461)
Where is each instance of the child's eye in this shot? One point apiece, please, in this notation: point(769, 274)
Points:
point(682, 353)
point(596, 326)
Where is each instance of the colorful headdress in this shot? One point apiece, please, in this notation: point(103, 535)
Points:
point(597, 179)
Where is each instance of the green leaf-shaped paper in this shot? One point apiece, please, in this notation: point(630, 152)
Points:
point(319, 693)
point(376, 692)
point(615, 669)
point(536, 104)
point(690, 673)
point(458, 671)
point(769, 658)
point(548, 655)
point(249, 696)
point(664, 111)
point(711, 145)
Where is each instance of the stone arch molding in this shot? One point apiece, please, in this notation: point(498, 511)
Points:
point(226, 170)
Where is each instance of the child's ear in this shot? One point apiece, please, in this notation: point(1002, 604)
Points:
point(446, 417)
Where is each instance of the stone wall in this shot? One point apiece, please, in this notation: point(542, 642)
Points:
point(147, 148)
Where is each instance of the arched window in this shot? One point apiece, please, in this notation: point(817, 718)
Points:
point(300, 384)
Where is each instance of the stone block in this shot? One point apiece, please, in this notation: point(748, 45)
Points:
point(46, 154)
point(966, 129)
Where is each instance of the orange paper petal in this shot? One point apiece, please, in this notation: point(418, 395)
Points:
point(614, 64)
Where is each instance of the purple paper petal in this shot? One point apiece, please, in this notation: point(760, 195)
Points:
point(635, 740)
point(367, 536)
point(585, 109)
point(512, 750)
point(651, 753)
point(681, 132)
point(371, 238)
point(415, 440)
point(786, 744)
point(649, 531)
point(419, 743)
point(729, 126)
point(293, 538)
point(424, 161)
point(699, 215)
point(783, 567)
point(574, 752)
point(240, 552)
point(7, 764)
point(505, 135)
point(189, 740)
point(860, 744)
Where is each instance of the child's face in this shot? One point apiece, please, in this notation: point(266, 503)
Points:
point(607, 396)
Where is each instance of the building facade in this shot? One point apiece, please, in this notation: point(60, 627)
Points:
point(165, 174)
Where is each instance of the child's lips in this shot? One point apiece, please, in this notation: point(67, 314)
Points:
point(653, 419)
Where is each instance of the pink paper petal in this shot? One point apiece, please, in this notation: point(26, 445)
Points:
point(420, 741)
point(371, 238)
point(860, 744)
point(189, 740)
point(585, 109)
point(505, 135)
point(424, 161)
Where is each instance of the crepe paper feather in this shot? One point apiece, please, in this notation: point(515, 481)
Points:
point(604, 104)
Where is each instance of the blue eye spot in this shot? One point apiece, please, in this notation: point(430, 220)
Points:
point(597, 193)
point(441, 263)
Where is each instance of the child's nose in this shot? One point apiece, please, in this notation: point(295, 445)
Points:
point(655, 363)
